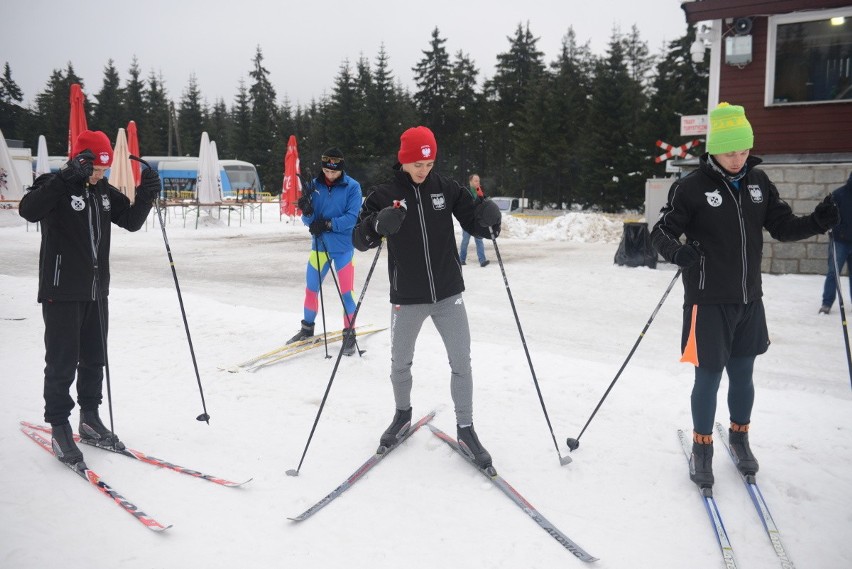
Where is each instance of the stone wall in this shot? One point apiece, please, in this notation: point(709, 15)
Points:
point(802, 186)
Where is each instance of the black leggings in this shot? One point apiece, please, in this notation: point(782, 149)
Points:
point(740, 394)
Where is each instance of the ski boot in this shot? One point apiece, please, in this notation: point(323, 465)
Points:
point(349, 345)
point(94, 432)
point(307, 331)
point(701, 462)
point(738, 439)
point(65, 448)
point(470, 444)
point(400, 424)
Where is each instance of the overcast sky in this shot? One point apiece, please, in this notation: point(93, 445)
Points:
point(304, 43)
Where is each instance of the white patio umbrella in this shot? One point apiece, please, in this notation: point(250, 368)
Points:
point(11, 187)
point(42, 159)
point(206, 188)
point(121, 171)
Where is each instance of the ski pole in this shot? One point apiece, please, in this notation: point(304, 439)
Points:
point(322, 301)
point(295, 472)
point(204, 416)
point(574, 443)
point(102, 326)
point(840, 302)
point(563, 460)
point(337, 286)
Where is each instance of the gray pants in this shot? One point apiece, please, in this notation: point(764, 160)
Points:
point(450, 318)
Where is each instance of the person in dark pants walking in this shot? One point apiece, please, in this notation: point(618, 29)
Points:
point(76, 208)
point(842, 241)
point(414, 213)
point(722, 208)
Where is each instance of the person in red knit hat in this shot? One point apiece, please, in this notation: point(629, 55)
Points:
point(414, 213)
point(76, 208)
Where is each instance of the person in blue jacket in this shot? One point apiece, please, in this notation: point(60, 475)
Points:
point(330, 204)
point(842, 245)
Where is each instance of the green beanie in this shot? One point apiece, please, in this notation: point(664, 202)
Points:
point(729, 130)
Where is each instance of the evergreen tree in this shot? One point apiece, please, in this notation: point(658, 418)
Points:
point(53, 110)
point(517, 71)
point(343, 110)
point(154, 137)
point(613, 159)
point(108, 114)
point(462, 115)
point(432, 77)
point(263, 133)
point(134, 95)
point(191, 118)
point(679, 88)
point(240, 124)
point(218, 126)
point(11, 112)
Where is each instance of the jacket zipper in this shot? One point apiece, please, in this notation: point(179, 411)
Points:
point(422, 217)
point(743, 253)
point(94, 228)
point(57, 267)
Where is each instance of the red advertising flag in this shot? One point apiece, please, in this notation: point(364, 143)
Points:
point(133, 148)
point(77, 118)
point(292, 186)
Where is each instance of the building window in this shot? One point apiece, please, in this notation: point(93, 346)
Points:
point(809, 58)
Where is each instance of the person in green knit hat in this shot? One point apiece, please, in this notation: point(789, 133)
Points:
point(722, 209)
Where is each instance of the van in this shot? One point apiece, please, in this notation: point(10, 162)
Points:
point(508, 204)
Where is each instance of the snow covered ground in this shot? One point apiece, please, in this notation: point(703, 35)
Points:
point(626, 496)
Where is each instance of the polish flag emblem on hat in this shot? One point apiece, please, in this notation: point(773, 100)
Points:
point(426, 150)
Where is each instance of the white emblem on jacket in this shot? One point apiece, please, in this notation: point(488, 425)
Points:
point(105, 202)
point(438, 201)
point(714, 198)
point(755, 192)
point(77, 203)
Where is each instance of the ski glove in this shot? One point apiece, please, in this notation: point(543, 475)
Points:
point(686, 256)
point(826, 214)
point(305, 205)
point(319, 226)
point(149, 187)
point(487, 214)
point(389, 220)
point(79, 168)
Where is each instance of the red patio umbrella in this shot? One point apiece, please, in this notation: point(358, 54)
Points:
point(292, 186)
point(133, 147)
point(77, 118)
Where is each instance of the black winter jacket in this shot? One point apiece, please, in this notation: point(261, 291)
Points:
point(75, 222)
point(728, 224)
point(423, 260)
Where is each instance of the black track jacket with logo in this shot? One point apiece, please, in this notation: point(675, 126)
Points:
point(75, 222)
point(728, 225)
point(423, 260)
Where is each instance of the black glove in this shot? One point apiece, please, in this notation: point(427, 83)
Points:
point(487, 213)
point(79, 168)
point(319, 226)
point(826, 214)
point(686, 256)
point(305, 205)
point(389, 220)
point(149, 188)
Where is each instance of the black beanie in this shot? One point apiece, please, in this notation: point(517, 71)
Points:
point(332, 159)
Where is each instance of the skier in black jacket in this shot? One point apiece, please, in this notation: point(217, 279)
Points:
point(75, 208)
point(722, 208)
point(414, 212)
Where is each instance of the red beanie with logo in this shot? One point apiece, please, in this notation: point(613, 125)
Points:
point(417, 144)
point(98, 143)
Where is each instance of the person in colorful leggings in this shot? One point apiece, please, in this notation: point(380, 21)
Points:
point(330, 204)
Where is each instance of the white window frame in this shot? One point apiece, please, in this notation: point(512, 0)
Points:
point(771, 38)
